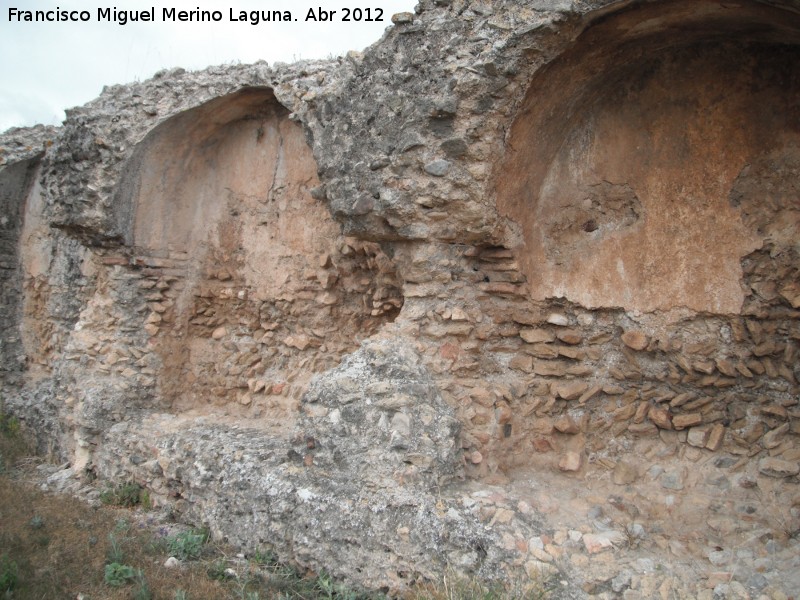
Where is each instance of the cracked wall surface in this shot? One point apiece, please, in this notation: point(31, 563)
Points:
point(510, 238)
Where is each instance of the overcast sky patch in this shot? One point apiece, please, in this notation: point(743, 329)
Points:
point(48, 67)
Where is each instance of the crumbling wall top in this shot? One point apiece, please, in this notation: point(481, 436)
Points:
point(21, 143)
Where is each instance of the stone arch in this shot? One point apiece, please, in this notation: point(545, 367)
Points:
point(623, 161)
point(249, 286)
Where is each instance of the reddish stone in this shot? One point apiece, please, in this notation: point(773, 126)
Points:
point(567, 424)
point(687, 420)
point(636, 340)
point(716, 437)
point(660, 417)
point(449, 351)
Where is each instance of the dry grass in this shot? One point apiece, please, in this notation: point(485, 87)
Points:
point(59, 548)
point(61, 545)
point(457, 587)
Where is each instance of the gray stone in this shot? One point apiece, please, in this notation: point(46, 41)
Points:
point(438, 168)
point(724, 462)
point(554, 5)
point(636, 531)
point(621, 581)
point(402, 18)
point(757, 581)
point(698, 436)
point(645, 565)
point(672, 480)
point(719, 557)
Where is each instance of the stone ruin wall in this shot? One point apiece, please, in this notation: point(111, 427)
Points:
point(580, 219)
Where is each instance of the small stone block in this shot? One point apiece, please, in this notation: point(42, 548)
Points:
point(687, 420)
point(697, 437)
point(660, 417)
point(776, 467)
point(571, 461)
point(635, 340)
point(716, 437)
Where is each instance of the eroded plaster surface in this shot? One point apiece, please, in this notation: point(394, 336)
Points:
point(621, 182)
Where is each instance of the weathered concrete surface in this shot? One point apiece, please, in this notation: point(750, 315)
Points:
point(361, 478)
point(562, 234)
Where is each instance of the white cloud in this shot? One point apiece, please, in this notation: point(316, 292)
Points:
point(48, 67)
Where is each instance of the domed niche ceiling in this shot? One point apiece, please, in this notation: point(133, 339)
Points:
point(256, 288)
point(656, 153)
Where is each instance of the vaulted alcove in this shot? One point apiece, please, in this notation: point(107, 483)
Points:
point(623, 159)
point(250, 288)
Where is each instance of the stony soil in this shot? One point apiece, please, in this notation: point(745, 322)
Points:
point(702, 525)
point(690, 524)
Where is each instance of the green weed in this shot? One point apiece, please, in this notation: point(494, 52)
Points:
point(142, 591)
point(9, 424)
point(36, 522)
point(144, 499)
point(187, 545)
point(116, 540)
point(216, 570)
point(117, 575)
point(9, 573)
point(12, 442)
point(125, 494)
point(264, 558)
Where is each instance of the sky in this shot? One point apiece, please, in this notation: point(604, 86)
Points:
point(48, 67)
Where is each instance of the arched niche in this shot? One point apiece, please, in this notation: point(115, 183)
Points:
point(231, 177)
point(624, 163)
point(249, 286)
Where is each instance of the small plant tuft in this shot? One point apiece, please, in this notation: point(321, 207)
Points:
point(12, 442)
point(9, 573)
point(116, 553)
point(142, 591)
point(117, 575)
point(9, 424)
point(217, 571)
point(125, 494)
point(187, 545)
point(264, 558)
point(36, 522)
